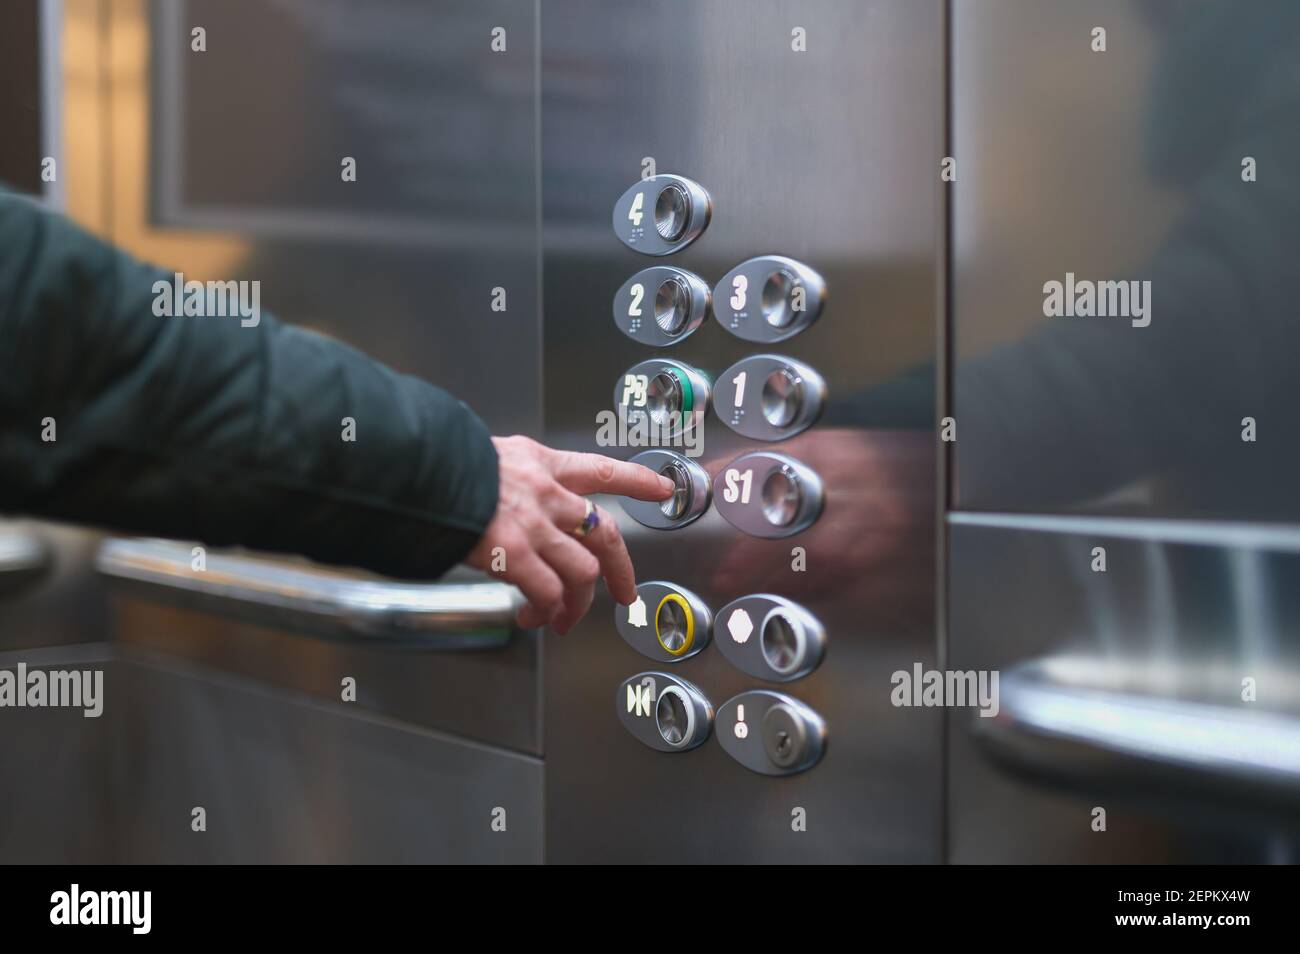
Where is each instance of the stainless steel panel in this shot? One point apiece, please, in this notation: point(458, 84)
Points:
point(282, 779)
point(1126, 165)
point(815, 156)
point(1178, 620)
point(243, 175)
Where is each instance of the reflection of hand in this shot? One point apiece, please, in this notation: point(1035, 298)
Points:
point(539, 506)
point(880, 488)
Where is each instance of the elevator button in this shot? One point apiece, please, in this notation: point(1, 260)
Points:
point(769, 495)
point(769, 298)
point(666, 622)
point(662, 214)
point(667, 398)
point(664, 712)
point(771, 733)
point(769, 397)
point(770, 637)
point(661, 305)
point(690, 497)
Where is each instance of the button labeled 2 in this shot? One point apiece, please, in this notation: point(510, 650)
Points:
point(667, 622)
point(662, 214)
point(770, 637)
point(661, 305)
point(768, 495)
point(665, 713)
point(768, 397)
point(768, 299)
point(771, 733)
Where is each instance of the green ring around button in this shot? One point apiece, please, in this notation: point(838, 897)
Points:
point(688, 393)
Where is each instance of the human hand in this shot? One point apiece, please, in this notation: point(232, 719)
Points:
point(540, 503)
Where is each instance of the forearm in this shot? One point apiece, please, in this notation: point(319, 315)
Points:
point(202, 428)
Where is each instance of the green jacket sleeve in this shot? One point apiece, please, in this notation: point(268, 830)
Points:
point(202, 428)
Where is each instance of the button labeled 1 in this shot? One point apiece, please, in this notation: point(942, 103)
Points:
point(665, 713)
point(662, 214)
point(661, 305)
point(768, 397)
point(770, 637)
point(768, 495)
point(667, 622)
point(771, 733)
point(768, 299)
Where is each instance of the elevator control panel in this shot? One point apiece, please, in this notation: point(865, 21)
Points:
point(766, 494)
point(771, 733)
point(690, 497)
point(669, 396)
point(763, 397)
point(662, 214)
point(768, 397)
point(768, 299)
point(664, 712)
point(666, 622)
point(770, 637)
point(662, 305)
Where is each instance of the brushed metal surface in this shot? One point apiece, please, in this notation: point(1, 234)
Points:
point(819, 157)
point(1126, 166)
point(1176, 626)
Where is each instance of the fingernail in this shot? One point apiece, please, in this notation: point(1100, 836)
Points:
point(666, 485)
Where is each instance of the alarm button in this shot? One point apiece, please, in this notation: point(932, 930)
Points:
point(771, 733)
point(666, 622)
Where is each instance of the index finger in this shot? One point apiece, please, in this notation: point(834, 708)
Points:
point(597, 474)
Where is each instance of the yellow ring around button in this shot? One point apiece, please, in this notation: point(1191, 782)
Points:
point(689, 641)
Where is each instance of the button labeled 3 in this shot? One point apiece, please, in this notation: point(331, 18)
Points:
point(668, 623)
point(768, 495)
point(662, 214)
point(768, 397)
point(665, 713)
point(771, 733)
point(667, 397)
point(770, 637)
point(661, 305)
point(769, 298)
